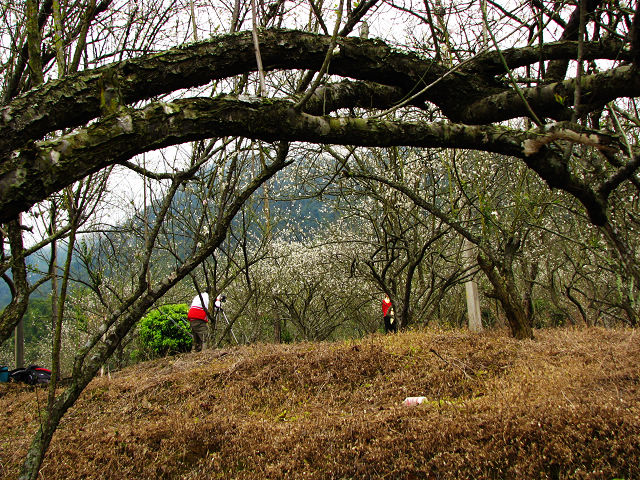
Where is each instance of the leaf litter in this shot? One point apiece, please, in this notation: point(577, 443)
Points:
point(565, 405)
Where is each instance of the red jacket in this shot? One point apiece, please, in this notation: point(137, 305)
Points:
point(385, 307)
point(197, 312)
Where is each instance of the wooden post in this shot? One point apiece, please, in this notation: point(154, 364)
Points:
point(471, 288)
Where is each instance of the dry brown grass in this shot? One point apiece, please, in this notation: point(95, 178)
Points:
point(563, 406)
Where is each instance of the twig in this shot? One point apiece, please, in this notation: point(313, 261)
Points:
point(38, 404)
point(256, 46)
point(325, 65)
point(451, 363)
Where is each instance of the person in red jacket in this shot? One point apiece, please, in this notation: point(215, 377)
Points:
point(198, 317)
point(388, 316)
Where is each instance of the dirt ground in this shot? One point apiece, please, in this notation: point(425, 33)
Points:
point(565, 405)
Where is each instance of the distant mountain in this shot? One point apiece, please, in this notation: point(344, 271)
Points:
point(287, 209)
point(35, 264)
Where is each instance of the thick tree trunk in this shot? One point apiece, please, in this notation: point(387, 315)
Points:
point(28, 177)
point(505, 291)
point(50, 166)
point(75, 99)
point(13, 313)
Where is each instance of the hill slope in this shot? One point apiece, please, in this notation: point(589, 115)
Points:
point(563, 406)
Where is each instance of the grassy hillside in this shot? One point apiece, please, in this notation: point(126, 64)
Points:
point(563, 406)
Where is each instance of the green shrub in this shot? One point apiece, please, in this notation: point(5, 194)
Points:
point(165, 331)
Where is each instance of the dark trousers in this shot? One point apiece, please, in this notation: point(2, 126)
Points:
point(199, 333)
point(390, 324)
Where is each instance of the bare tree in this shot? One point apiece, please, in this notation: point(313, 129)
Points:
point(405, 252)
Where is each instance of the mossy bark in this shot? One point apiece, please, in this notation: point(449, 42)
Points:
point(31, 169)
point(479, 97)
point(13, 313)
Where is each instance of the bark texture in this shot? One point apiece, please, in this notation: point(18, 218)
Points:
point(31, 169)
point(76, 99)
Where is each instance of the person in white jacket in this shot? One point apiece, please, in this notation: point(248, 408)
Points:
point(198, 317)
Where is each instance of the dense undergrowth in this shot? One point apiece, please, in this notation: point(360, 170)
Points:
point(565, 405)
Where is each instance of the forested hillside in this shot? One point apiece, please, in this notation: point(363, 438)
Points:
point(563, 406)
